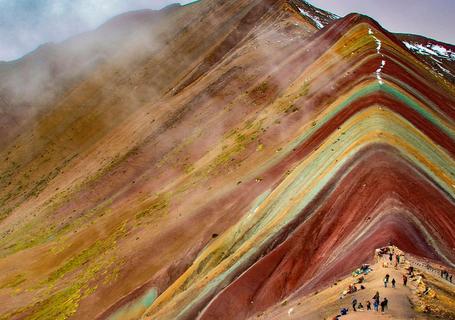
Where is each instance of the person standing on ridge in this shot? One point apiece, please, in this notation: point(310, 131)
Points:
point(386, 280)
point(411, 270)
point(376, 305)
point(405, 280)
point(354, 304)
point(384, 304)
point(376, 296)
point(376, 301)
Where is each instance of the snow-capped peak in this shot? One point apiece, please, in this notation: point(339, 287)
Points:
point(315, 19)
point(431, 49)
point(319, 17)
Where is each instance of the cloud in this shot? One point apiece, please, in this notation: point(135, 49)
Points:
point(26, 24)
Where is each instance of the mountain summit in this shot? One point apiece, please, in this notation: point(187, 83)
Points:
point(223, 159)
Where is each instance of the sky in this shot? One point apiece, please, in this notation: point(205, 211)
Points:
point(431, 18)
point(26, 24)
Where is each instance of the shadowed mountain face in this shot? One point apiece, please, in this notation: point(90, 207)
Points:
point(211, 160)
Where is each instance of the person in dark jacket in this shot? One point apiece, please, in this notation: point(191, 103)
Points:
point(376, 305)
point(354, 304)
point(368, 305)
point(384, 304)
point(376, 297)
point(376, 301)
point(393, 283)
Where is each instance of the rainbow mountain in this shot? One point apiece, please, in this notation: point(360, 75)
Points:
point(209, 161)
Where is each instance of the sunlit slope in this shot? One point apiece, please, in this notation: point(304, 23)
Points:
point(381, 170)
point(107, 168)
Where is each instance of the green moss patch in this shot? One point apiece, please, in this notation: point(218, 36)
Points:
point(74, 280)
point(13, 282)
point(235, 142)
point(158, 206)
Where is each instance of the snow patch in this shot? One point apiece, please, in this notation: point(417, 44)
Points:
point(315, 19)
point(438, 63)
point(431, 49)
point(379, 44)
point(331, 15)
point(378, 72)
point(376, 39)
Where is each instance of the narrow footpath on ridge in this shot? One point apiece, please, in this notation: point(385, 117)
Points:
point(425, 295)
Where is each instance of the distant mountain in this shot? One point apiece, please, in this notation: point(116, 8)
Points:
point(210, 161)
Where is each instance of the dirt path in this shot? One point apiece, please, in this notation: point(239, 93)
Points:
point(399, 304)
point(327, 303)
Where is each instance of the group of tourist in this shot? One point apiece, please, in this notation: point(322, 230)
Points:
point(389, 256)
point(376, 304)
point(358, 284)
point(446, 275)
point(393, 282)
point(376, 301)
point(358, 306)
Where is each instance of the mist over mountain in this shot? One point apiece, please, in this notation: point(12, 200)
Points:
point(26, 24)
